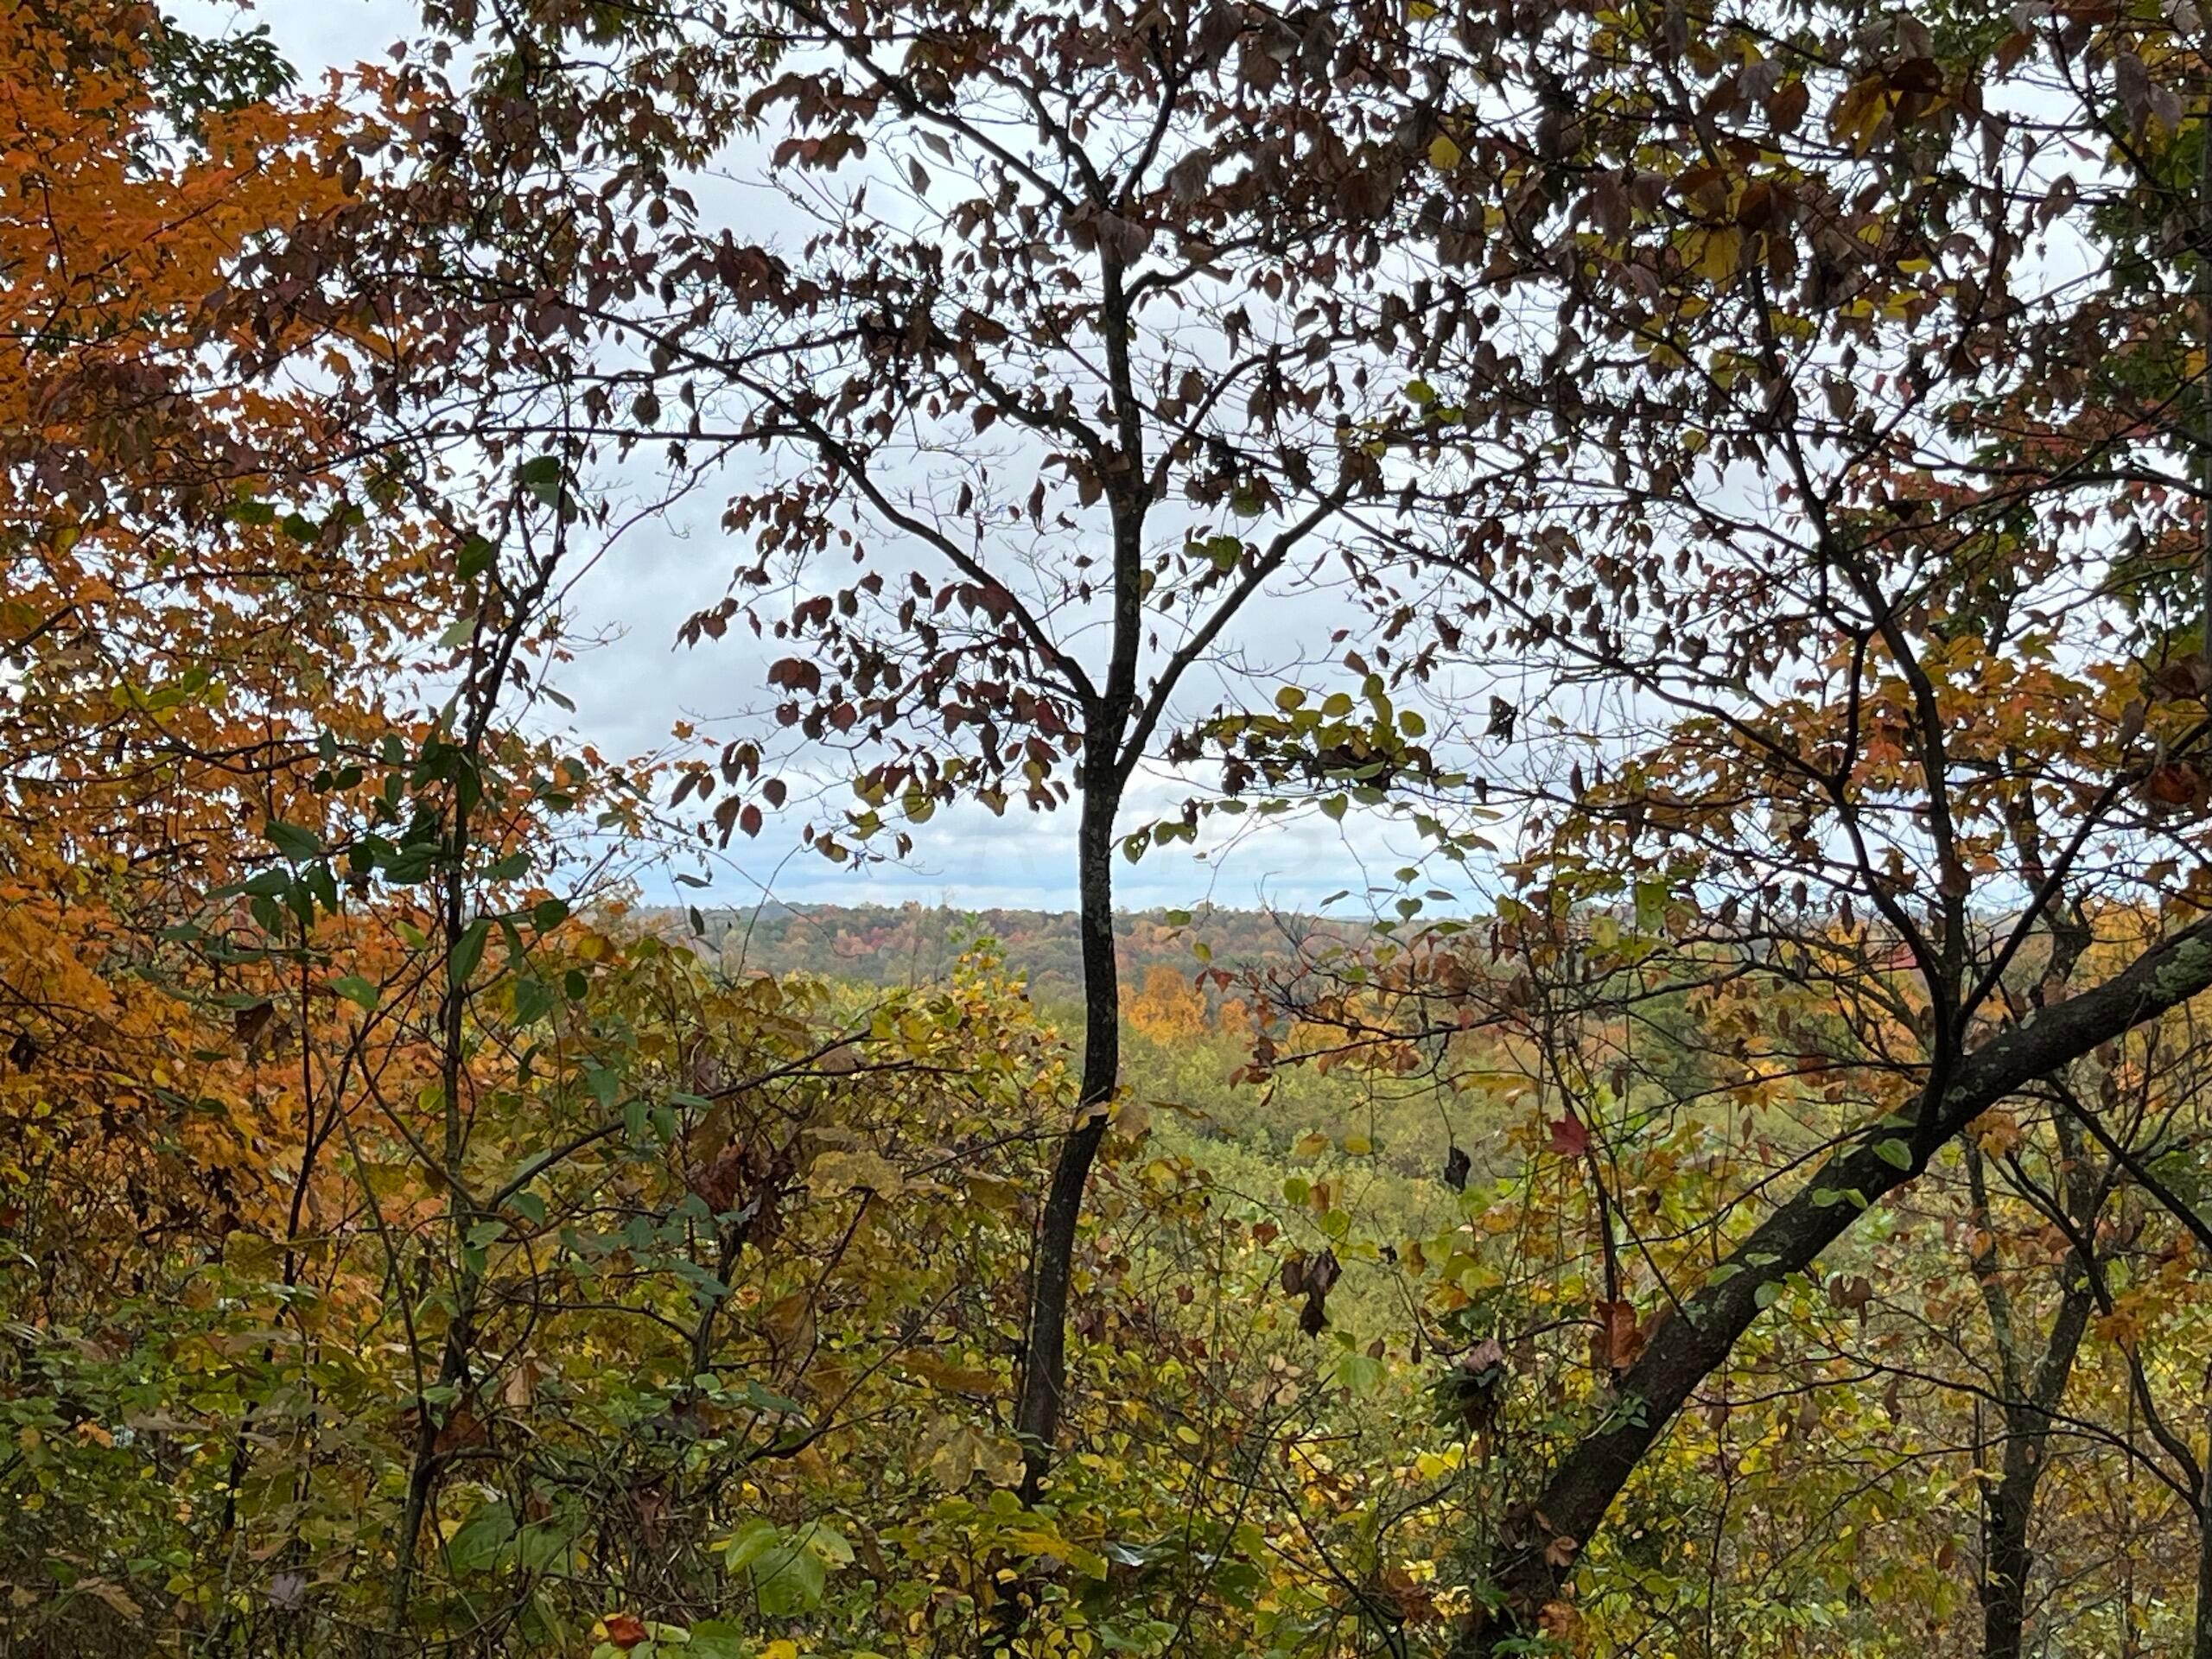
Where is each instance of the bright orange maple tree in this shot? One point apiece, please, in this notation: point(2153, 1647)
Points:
point(192, 598)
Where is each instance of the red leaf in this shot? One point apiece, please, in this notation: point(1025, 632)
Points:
point(795, 673)
point(1569, 1138)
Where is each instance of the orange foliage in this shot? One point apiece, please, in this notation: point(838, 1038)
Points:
point(1169, 1008)
point(190, 599)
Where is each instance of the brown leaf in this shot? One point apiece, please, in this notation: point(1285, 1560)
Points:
point(115, 1596)
point(1619, 1341)
point(2172, 785)
point(1318, 1274)
point(248, 1024)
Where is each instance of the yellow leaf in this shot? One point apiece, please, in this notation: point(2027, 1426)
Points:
point(1442, 153)
point(862, 1171)
point(998, 1459)
point(965, 1452)
point(1723, 251)
point(952, 1376)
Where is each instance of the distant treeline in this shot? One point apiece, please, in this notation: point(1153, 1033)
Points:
point(909, 944)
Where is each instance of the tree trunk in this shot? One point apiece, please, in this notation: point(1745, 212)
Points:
point(2007, 1560)
point(1105, 775)
point(1540, 1543)
point(1044, 1380)
point(2200, 1645)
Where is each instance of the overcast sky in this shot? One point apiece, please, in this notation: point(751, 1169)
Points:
point(629, 690)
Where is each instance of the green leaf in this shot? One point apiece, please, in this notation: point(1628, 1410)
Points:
point(1359, 1374)
point(364, 993)
point(534, 999)
point(1895, 1152)
point(541, 476)
point(752, 1538)
point(789, 1579)
point(467, 951)
point(717, 1638)
point(1222, 552)
point(294, 842)
point(767, 1400)
point(477, 1545)
point(542, 1548)
point(605, 1083)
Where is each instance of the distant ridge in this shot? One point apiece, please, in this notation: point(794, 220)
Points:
point(912, 943)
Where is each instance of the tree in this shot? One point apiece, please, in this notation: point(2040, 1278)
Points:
point(1169, 1009)
point(992, 354)
point(1878, 531)
point(189, 594)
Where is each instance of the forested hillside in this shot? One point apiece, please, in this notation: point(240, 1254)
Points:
point(913, 943)
point(1702, 508)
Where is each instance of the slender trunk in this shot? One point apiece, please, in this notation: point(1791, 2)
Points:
point(2028, 1400)
point(2007, 1561)
point(460, 1216)
point(2200, 1645)
point(1045, 1373)
point(2201, 291)
point(1105, 775)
